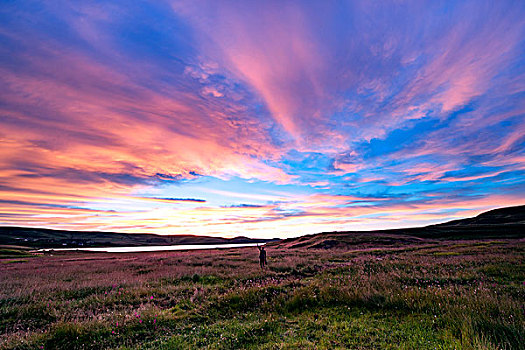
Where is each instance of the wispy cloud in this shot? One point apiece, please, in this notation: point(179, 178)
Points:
point(315, 116)
point(176, 200)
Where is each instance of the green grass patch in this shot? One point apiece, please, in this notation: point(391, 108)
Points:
point(14, 261)
point(445, 253)
point(319, 328)
point(14, 253)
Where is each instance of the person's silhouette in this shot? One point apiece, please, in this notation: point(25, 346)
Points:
point(262, 257)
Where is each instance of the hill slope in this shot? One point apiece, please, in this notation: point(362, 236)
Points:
point(501, 216)
point(498, 223)
point(46, 238)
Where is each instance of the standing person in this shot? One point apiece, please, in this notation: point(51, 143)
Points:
point(262, 257)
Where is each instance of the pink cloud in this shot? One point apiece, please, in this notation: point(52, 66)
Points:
point(274, 50)
point(107, 123)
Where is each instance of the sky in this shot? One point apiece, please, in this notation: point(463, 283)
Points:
point(259, 118)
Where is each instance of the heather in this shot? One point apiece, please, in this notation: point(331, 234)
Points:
point(441, 295)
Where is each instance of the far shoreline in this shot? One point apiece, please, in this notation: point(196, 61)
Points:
point(160, 248)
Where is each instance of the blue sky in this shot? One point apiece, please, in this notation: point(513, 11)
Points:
point(259, 118)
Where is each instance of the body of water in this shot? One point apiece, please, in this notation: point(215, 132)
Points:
point(154, 248)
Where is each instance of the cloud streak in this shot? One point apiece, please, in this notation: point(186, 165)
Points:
point(262, 117)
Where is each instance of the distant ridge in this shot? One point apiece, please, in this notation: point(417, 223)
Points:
point(500, 216)
point(500, 223)
point(497, 223)
point(48, 238)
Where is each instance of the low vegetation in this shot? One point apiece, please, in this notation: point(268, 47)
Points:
point(446, 295)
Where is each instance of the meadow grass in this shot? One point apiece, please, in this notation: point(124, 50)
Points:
point(451, 295)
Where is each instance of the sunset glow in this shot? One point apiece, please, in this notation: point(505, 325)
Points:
point(261, 119)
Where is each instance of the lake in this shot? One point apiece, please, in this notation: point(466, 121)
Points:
point(154, 248)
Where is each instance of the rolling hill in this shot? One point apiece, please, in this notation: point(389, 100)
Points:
point(47, 238)
point(498, 223)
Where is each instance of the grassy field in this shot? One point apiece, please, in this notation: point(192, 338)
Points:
point(445, 295)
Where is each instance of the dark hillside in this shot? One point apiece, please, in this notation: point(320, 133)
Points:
point(501, 216)
point(494, 224)
point(46, 238)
